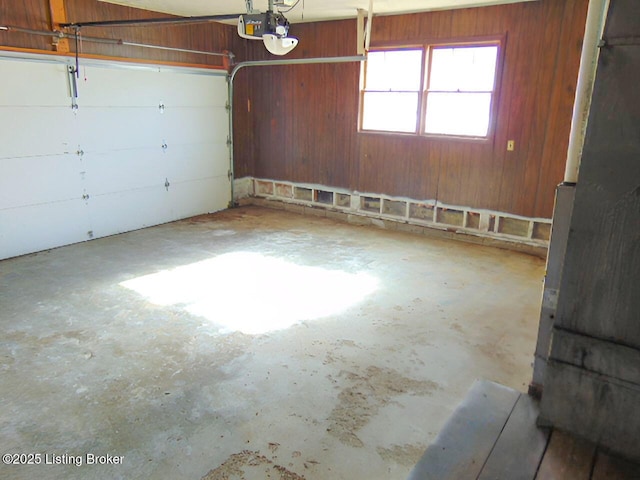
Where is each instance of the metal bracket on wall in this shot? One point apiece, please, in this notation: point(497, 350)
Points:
point(166, 184)
point(73, 86)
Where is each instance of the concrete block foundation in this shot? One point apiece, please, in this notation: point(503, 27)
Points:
point(530, 235)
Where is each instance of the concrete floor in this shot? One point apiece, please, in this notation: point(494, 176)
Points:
point(253, 344)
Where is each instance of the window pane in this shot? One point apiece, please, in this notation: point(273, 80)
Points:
point(458, 113)
point(463, 68)
point(397, 70)
point(393, 112)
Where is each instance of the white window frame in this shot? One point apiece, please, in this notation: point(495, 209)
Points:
point(395, 91)
point(427, 49)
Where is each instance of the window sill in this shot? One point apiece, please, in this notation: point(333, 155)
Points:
point(430, 137)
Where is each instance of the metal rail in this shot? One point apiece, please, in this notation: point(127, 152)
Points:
point(269, 63)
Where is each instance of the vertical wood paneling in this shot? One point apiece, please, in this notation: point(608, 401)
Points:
point(543, 87)
point(561, 105)
point(32, 14)
point(537, 43)
point(465, 21)
point(303, 120)
point(35, 14)
point(305, 117)
point(541, 58)
point(207, 36)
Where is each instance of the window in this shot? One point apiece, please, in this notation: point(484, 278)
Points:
point(392, 94)
point(432, 90)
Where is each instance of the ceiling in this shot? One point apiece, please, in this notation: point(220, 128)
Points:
point(305, 10)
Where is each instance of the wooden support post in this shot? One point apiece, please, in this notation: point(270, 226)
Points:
point(58, 16)
point(360, 34)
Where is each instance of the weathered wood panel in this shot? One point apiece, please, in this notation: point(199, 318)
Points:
point(608, 467)
point(595, 355)
point(600, 296)
point(596, 407)
point(557, 248)
point(518, 452)
point(537, 85)
point(462, 446)
point(566, 457)
point(597, 328)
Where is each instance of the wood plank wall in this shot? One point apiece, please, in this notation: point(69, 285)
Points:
point(35, 14)
point(299, 123)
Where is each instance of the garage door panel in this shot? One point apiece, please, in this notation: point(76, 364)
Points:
point(103, 129)
point(194, 90)
point(189, 162)
point(38, 227)
point(219, 126)
point(128, 210)
point(119, 87)
point(67, 176)
point(219, 91)
point(195, 197)
point(220, 168)
point(34, 84)
point(186, 125)
point(149, 86)
point(38, 180)
point(124, 170)
point(32, 131)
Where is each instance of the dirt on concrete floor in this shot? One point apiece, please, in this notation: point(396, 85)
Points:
point(254, 344)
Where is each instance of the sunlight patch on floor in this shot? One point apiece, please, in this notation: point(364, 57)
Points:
point(254, 293)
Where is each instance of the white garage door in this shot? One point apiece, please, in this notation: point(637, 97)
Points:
point(145, 145)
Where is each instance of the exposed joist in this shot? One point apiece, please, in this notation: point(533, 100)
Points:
point(59, 16)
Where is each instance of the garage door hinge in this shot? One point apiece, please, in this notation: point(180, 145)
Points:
point(228, 141)
point(230, 175)
point(227, 106)
point(166, 184)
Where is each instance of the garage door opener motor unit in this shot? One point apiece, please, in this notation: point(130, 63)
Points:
point(270, 27)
